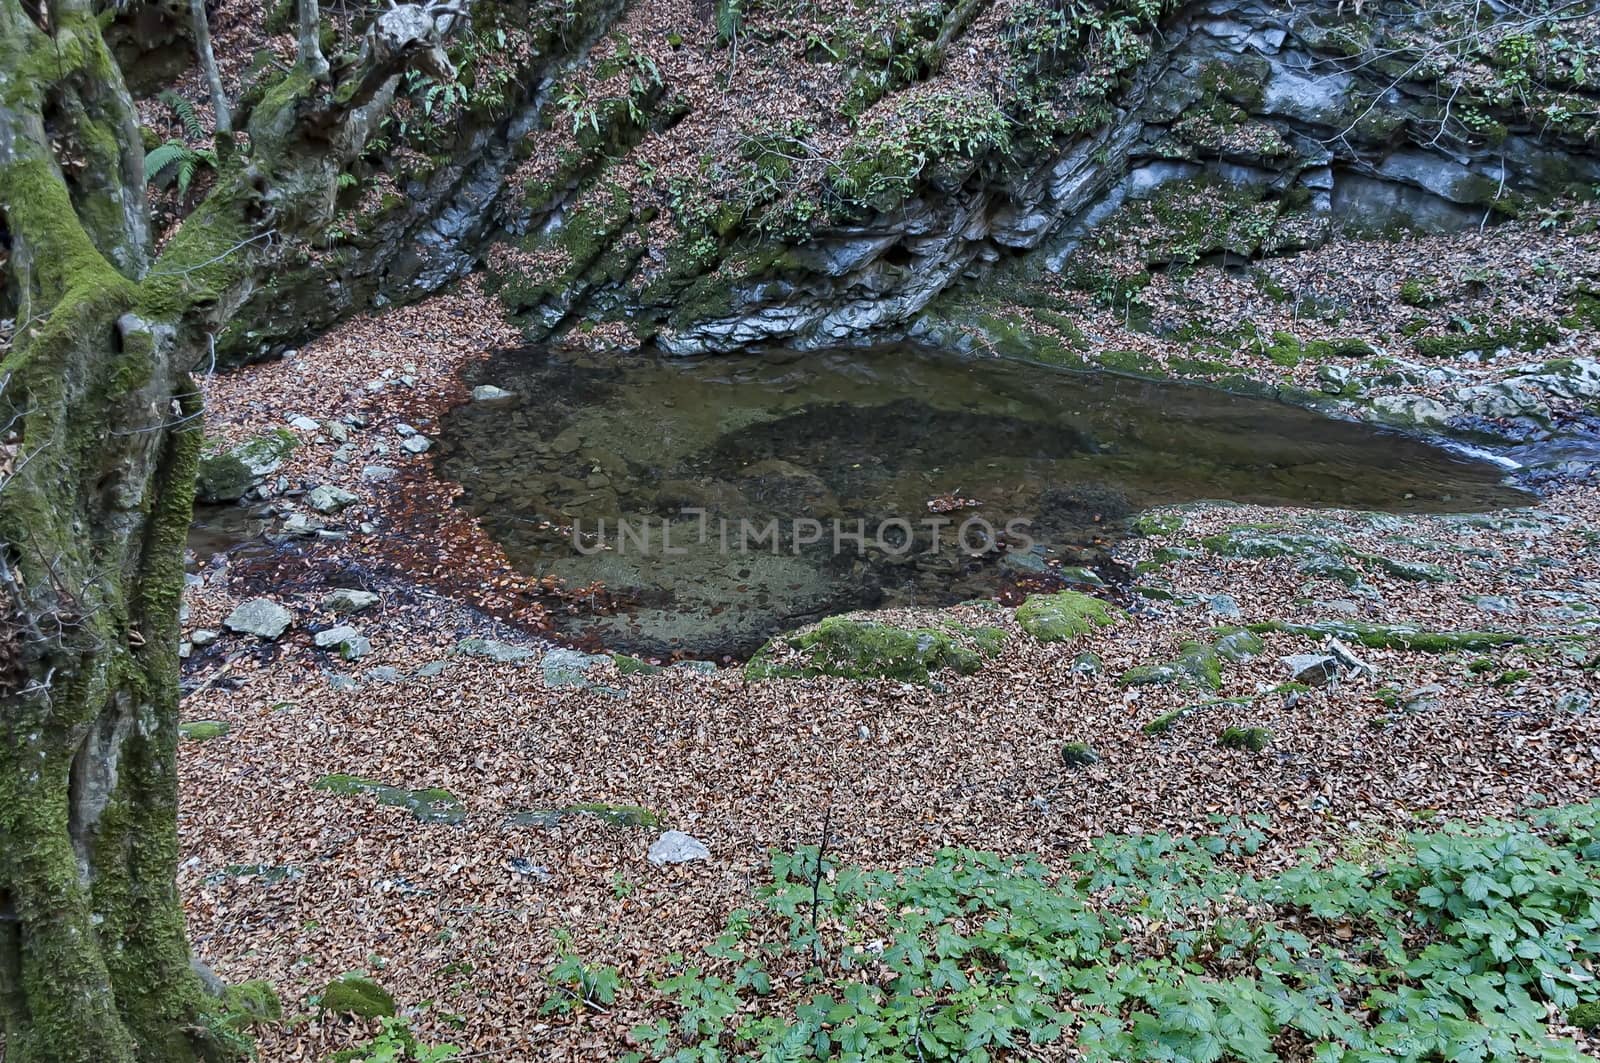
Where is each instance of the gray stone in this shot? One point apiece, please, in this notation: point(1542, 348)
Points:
point(490, 393)
point(261, 617)
point(676, 847)
point(1422, 699)
point(300, 524)
point(1224, 605)
point(304, 423)
point(1574, 701)
point(499, 652)
point(415, 444)
point(377, 474)
point(328, 499)
point(348, 600)
point(432, 669)
point(203, 636)
point(1495, 603)
point(404, 429)
point(349, 642)
point(383, 673)
point(342, 682)
point(568, 668)
point(1411, 409)
point(1312, 669)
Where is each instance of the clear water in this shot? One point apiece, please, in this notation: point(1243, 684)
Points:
point(699, 457)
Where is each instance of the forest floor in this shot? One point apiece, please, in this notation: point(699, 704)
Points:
point(462, 921)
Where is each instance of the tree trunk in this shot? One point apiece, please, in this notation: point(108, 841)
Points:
point(100, 430)
point(201, 26)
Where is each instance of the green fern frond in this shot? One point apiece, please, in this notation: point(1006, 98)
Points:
point(187, 116)
point(164, 157)
point(730, 19)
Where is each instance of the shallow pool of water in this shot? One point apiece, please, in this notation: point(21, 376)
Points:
point(757, 493)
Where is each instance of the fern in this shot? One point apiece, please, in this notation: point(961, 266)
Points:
point(193, 128)
point(177, 158)
point(730, 20)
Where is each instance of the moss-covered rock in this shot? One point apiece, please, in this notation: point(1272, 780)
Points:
point(1168, 720)
point(866, 649)
point(253, 1001)
point(1078, 755)
point(1585, 1016)
point(1255, 739)
point(225, 476)
point(431, 805)
point(1397, 636)
point(1238, 644)
point(204, 730)
point(354, 994)
point(1064, 615)
point(1196, 665)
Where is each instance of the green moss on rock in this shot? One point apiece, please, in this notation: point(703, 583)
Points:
point(1397, 636)
point(1064, 615)
point(1255, 739)
point(204, 730)
point(1078, 755)
point(431, 805)
point(356, 995)
point(866, 649)
point(1196, 665)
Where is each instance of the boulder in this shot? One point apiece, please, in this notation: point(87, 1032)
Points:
point(1312, 669)
point(569, 668)
point(261, 617)
point(227, 476)
point(415, 444)
point(1065, 615)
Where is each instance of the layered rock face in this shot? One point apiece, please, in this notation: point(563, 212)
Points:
point(646, 193)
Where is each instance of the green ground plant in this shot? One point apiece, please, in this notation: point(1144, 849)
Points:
point(1452, 943)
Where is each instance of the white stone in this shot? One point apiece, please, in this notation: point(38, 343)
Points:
point(676, 847)
point(261, 617)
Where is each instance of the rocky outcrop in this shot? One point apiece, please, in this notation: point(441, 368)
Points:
point(1236, 127)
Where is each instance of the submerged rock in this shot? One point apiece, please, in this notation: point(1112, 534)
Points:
point(261, 617)
point(490, 393)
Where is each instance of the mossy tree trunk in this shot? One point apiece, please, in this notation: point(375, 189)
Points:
point(100, 428)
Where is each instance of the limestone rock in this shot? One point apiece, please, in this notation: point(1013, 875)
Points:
point(348, 600)
point(261, 617)
point(349, 642)
point(328, 499)
point(499, 652)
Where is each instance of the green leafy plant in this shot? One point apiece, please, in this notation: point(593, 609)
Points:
point(577, 985)
point(177, 161)
point(396, 1043)
point(1454, 943)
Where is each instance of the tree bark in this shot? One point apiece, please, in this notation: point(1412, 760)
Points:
point(201, 25)
point(100, 429)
